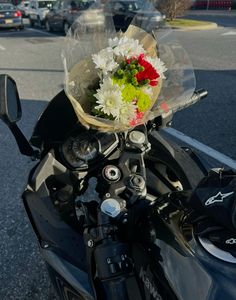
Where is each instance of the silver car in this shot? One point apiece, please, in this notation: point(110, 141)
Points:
point(10, 16)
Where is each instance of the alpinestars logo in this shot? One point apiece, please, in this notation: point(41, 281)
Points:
point(217, 198)
point(149, 285)
point(231, 241)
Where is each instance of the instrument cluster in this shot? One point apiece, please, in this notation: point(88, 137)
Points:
point(85, 147)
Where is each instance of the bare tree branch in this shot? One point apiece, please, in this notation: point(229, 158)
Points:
point(173, 8)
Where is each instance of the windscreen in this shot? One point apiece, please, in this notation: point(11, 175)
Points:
point(123, 69)
point(6, 6)
point(44, 4)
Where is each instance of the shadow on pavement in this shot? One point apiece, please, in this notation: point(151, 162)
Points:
point(29, 32)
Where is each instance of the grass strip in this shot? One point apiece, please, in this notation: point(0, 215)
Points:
point(186, 23)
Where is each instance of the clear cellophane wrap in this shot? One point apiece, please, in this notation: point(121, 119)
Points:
point(83, 76)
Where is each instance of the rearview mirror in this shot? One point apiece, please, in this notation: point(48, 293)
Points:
point(10, 108)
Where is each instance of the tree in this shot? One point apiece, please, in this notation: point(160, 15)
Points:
point(173, 8)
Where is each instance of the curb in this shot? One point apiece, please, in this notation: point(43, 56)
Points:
point(197, 27)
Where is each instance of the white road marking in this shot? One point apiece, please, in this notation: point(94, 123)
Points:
point(2, 48)
point(229, 33)
point(220, 157)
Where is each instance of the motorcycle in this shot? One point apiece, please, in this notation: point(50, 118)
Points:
point(105, 205)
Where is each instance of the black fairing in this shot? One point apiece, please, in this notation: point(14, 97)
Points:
point(174, 264)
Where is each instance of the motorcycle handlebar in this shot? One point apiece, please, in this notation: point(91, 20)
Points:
point(197, 95)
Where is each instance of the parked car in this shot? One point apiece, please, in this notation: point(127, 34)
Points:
point(24, 7)
point(124, 11)
point(38, 10)
point(65, 12)
point(10, 16)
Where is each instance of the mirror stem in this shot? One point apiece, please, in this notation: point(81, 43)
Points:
point(23, 143)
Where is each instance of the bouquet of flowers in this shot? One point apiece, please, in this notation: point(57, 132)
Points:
point(127, 75)
point(116, 88)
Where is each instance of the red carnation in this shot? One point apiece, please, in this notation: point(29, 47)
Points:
point(149, 73)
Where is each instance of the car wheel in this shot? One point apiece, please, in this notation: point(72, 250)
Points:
point(31, 22)
point(48, 26)
point(42, 24)
point(66, 28)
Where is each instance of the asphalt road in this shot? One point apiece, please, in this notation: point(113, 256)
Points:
point(33, 60)
point(213, 54)
point(221, 17)
point(32, 57)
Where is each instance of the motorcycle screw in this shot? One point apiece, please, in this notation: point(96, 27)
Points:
point(108, 260)
point(90, 243)
point(44, 245)
point(108, 195)
point(137, 182)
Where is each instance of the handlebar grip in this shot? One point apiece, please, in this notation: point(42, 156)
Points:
point(197, 95)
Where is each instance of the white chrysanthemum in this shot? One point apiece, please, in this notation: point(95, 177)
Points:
point(109, 98)
point(127, 113)
point(104, 60)
point(158, 65)
point(126, 47)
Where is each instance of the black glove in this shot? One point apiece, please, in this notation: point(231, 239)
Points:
point(215, 199)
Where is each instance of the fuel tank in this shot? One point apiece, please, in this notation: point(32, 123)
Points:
point(194, 268)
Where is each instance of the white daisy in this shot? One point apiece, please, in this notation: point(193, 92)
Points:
point(127, 113)
point(104, 60)
point(126, 47)
point(109, 98)
point(113, 42)
point(158, 65)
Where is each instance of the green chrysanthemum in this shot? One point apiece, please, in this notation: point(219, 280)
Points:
point(144, 101)
point(130, 93)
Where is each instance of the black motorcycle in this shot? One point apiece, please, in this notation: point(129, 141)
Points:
point(113, 211)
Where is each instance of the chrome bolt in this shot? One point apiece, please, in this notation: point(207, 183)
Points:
point(108, 260)
point(90, 243)
point(45, 245)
